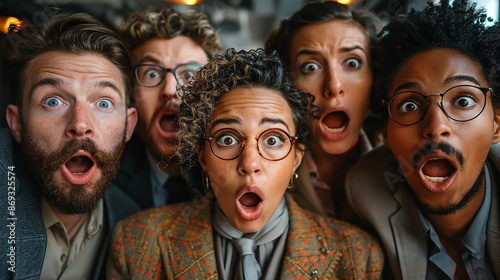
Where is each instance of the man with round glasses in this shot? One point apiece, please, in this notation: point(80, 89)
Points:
point(431, 193)
point(167, 49)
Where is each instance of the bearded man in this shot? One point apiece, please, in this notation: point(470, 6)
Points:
point(69, 76)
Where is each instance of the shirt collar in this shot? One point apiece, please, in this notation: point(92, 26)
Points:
point(475, 237)
point(94, 224)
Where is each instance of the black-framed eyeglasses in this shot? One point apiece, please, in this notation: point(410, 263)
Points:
point(151, 75)
point(272, 144)
point(461, 103)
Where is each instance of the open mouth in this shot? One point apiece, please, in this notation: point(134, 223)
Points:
point(168, 123)
point(80, 168)
point(249, 200)
point(79, 165)
point(438, 170)
point(335, 122)
point(250, 204)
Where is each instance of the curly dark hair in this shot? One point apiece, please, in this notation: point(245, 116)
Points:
point(76, 33)
point(321, 11)
point(242, 69)
point(166, 22)
point(459, 27)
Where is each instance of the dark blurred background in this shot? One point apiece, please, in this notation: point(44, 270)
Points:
point(242, 24)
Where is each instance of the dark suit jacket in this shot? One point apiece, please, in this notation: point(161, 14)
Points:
point(134, 178)
point(30, 234)
point(176, 242)
point(375, 192)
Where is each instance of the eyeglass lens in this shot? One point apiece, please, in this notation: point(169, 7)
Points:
point(460, 103)
point(273, 144)
point(150, 75)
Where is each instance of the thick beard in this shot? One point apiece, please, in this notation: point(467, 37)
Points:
point(453, 207)
point(80, 199)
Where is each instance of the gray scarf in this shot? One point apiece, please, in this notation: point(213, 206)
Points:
point(265, 247)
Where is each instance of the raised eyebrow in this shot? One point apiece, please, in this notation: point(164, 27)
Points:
point(150, 59)
point(305, 51)
point(225, 121)
point(274, 121)
point(113, 86)
point(355, 47)
point(409, 85)
point(45, 81)
point(460, 78)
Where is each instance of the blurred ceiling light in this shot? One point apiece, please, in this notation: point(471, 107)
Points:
point(5, 22)
point(186, 2)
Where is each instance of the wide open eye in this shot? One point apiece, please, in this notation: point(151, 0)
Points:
point(353, 63)
point(151, 74)
point(52, 101)
point(309, 67)
point(465, 102)
point(408, 106)
point(105, 103)
point(227, 139)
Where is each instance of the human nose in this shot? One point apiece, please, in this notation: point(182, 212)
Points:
point(333, 83)
point(80, 121)
point(249, 159)
point(436, 122)
point(169, 86)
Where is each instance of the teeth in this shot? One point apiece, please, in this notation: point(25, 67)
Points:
point(436, 179)
point(333, 130)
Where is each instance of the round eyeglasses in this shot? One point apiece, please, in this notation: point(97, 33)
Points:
point(151, 75)
point(272, 144)
point(460, 103)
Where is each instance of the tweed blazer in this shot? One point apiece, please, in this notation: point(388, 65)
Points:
point(375, 192)
point(176, 242)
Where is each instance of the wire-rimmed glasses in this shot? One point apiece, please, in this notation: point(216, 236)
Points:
point(461, 103)
point(272, 144)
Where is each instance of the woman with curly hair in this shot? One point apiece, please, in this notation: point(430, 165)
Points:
point(328, 46)
point(243, 124)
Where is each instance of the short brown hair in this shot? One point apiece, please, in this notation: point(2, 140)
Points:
point(166, 22)
point(74, 33)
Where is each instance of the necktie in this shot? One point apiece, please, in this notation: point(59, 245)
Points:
point(248, 266)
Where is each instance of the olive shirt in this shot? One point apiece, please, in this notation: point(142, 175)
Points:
point(75, 258)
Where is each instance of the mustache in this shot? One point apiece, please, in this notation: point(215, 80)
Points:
point(55, 159)
point(432, 147)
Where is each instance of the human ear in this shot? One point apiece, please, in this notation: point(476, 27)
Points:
point(14, 121)
point(299, 154)
point(131, 122)
point(496, 125)
point(201, 158)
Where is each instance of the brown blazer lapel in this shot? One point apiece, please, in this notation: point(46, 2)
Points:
point(306, 252)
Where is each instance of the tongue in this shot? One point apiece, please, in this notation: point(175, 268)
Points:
point(168, 123)
point(438, 168)
point(250, 200)
point(335, 119)
point(79, 164)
